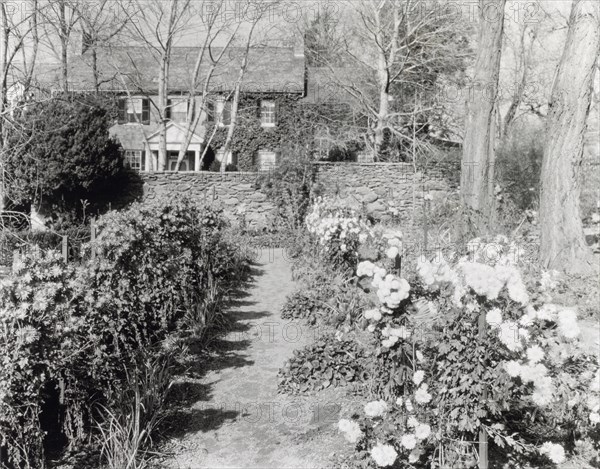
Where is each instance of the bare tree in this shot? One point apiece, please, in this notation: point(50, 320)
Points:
point(477, 174)
point(60, 18)
point(391, 51)
point(15, 29)
point(101, 23)
point(562, 243)
point(206, 61)
point(156, 26)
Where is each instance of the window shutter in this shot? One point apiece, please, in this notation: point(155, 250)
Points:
point(189, 104)
point(259, 109)
point(210, 111)
point(122, 103)
point(145, 111)
point(276, 111)
point(227, 113)
point(143, 162)
point(168, 110)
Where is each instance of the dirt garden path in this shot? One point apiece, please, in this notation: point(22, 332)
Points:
point(237, 419)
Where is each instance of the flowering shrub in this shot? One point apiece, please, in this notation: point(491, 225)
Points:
point(338, 230)
point(501, 358)
point(40, 325)
point(75, 335)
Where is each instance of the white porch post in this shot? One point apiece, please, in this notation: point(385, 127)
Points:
point(197, 160)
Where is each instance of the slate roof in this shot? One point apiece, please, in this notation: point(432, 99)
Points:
point(270, 69)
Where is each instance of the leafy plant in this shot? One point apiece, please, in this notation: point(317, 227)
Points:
point(303, 304)
point(327, 362)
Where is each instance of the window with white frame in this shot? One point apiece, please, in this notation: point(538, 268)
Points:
point(364, 158)
point(322, 145)
point(133, 159)
point(134, 110)
point(268, 116)
point(266, 160)
point(225, 158)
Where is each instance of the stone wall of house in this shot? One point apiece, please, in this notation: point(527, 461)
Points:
point(384, 190)
point(387, 190)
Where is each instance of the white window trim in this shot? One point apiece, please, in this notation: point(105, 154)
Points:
point(224, 158)
point(130, 154)
point(364, 157)
point(269, 166)
point(272, 112)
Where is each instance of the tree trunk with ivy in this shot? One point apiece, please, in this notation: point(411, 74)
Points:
point(562, 242)
point(477, 172)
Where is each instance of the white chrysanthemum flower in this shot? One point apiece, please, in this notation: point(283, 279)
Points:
point(399, 401)
point(373, 314)
point(553, 451)
point(422, 396)
point(383, 455)
point(408, 405)
point(529, 316)
point(371, 327)
point(567, 323)
point(392, 252)
point(365, 268)
point(531, 373)
point(389, 342)
point(422, 431)
point(412, 422)
point(593, 403)
point(414, 455)
point(351, 430)
point(375, 408)
point(594, 417)
point(547, 312)
point(543, 391)
point(408, 441)
point(535, 354)
point(549, 280)
point(509, 335)
point(418, 377)
point(494, 317)
point(513, 368)
point(425, 271)
point(482, 279)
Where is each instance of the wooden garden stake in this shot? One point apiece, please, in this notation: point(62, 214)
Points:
point(65, 248)
point(483, 443)
point(93, 237)
point(398, 264)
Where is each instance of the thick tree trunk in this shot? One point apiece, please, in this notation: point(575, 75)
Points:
point(562, 240)
point(383, 82)
point(477, 172)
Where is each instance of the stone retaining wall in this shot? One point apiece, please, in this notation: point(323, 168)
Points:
point(237, 193)
point(384, 190)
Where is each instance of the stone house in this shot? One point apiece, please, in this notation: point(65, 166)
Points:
point(131, 74)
